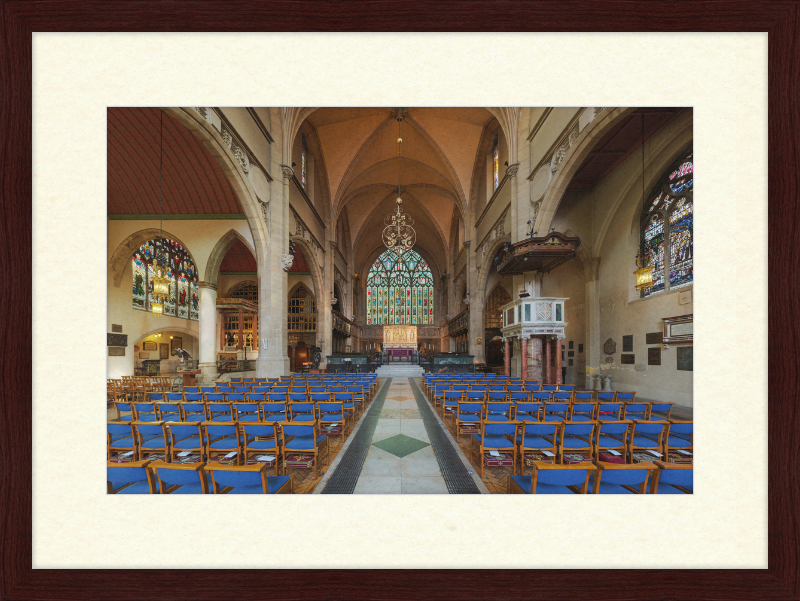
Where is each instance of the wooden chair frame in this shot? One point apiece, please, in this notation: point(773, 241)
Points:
point(197, 467)
point(213, 466)
point(143, 463)
point(663, 465)
point(541, 465)
point(602, 465)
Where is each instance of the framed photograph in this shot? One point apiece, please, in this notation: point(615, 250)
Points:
point(163, 350)
point(31, 570)
point(149, 345)
point(175, 343)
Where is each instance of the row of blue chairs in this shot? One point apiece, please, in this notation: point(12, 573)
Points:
point(158, 477)
point(600, 477)
point(542, 407)
point(235, 442)
point(629, 440)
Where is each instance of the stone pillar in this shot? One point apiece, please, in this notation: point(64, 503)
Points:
point(507, 357)
point(558, 362)
point(591, 270)
point(524, 359)
point(547, 362)
point(535, 359)
point(207, 355)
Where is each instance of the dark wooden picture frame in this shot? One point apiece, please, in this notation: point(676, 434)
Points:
point(149, 345)
point(175, 343)
point(779, 581)
point(163, 351)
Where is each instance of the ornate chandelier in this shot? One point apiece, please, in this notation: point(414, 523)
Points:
point(160, 281)
point(399, 234)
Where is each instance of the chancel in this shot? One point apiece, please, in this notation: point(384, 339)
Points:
point(400, 300)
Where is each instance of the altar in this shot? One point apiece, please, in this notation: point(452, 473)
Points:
point(399, 337)
point(399, 354)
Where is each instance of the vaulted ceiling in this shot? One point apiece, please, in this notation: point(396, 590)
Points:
point(238, 259)
point(361, 156)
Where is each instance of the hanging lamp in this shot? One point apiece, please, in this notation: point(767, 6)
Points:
point(399, 234)
point(160, 281)
point(644, 273)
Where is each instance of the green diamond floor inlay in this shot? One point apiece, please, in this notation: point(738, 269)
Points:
point(400, 445)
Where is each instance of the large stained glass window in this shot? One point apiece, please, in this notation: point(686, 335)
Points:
point(303, 167)
point(400, 290)
point(183, 300)
point(667, 222)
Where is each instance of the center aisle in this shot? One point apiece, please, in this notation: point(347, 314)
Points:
point(400, 458)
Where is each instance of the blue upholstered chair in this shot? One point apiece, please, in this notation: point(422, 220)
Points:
point(659, 407)
point(468, 417)
point(553, 479)
point(536, 438)
point(331, 414)
point(193, 411)
point(609, 410)
point(181, 478)
point(498, 412)
point(576, 437)
point(261, 438)
point(679, 437)
point(566, 387)
point(646, 436)
point(130, 479)
point(555, 411)
point(620, 478)
point(607, 396)
point(222, 438)
point(150, 439)
point(184, 436)
point(582, 411)
point(672, 479)
point(246, 480)
point(527, 411)
point(219, 411)
point(450, 401)
point(500, 437)
point(120, 439)
point(541, 397)
point(549, 387)
point(533, 386)
point(145, 412)
point(612, 436)
point(304, 438)
point(634, 409)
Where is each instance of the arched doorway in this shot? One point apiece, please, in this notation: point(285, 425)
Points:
point(302, 325)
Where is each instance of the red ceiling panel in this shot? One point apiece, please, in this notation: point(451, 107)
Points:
point(618, 144)
point(238, 259)
point(193, 182)
point(299, 264)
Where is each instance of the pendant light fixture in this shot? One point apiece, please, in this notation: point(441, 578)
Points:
point(160, 281)
point(644, 273)
point(398, 233)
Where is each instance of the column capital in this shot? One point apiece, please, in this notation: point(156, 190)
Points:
point(207, 285)
point(467, 243)
point(287, 171)
point(511, 171)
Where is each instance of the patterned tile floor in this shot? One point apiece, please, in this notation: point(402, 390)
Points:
point(400, 459)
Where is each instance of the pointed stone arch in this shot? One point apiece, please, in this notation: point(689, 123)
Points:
point(486, 265)
point(123, 253)
point(219, 251)
point(316, 272)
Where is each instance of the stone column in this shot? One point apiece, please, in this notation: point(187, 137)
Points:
point(524, 359)
point(558, 362)
point(507, 357)
point(208, 329)
point(591, 270)
point(547, 362)
point(535, 360)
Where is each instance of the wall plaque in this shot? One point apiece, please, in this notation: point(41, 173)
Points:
point(654, 356)
point(627, 344)
point(654, 337)
point(628, 359)
point(609, 347)
point(115, 327)
point(116, 340)
point(685, 360)
point(580, 348)
point(116, 351)
point(678, 329)
point(570, 344)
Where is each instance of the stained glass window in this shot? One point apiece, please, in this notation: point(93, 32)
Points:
point(496, 159)
point(667, 222)
point(399, 289)
point(183, 300)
